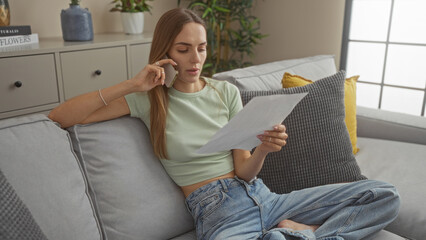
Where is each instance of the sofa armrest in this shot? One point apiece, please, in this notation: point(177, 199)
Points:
point(381, 124)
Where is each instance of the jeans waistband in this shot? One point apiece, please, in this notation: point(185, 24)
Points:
point(211, 188)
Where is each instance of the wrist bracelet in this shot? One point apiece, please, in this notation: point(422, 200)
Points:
point(102, 98)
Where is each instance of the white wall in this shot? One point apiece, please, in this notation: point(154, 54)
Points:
point(299, 28)
point(44, 15)
point(296, 28)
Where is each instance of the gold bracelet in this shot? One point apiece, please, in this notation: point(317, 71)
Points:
point(102, 98)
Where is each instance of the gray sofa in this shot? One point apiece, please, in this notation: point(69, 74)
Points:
point(102, 181)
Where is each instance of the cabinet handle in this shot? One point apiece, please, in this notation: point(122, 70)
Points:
point(18, 84)
point(98, 72)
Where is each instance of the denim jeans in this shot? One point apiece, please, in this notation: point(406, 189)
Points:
point(234, 209)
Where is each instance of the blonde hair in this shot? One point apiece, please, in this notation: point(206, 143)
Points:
point(166, 30)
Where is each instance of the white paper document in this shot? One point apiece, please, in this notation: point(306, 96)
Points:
point(258, 115)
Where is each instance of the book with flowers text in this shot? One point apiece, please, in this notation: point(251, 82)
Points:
point(11, 41)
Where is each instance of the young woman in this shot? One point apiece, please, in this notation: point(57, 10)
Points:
point(221, 189)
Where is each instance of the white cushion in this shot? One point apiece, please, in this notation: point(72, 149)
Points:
point(37, 158)
point(135, 197)
point(268, 76)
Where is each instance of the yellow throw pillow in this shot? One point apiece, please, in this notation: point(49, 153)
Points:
point(290, 80)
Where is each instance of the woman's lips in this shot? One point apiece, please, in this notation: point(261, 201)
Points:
point(193, 71)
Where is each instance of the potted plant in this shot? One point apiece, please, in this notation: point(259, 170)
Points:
point(132, 14)
point(76, 23)
point(232, 33)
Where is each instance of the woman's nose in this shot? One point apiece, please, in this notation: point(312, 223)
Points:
point(196, 58)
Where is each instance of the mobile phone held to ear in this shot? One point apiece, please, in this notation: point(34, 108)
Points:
point(171, 75)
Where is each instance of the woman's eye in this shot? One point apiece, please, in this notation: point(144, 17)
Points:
point(183, 51)
point(202, 50)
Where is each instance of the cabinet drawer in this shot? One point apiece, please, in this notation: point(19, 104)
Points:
point(27, 81)
point(139, 55)
point(90, 70)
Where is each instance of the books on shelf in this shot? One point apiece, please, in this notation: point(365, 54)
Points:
point(15, 30)
point(17, 37)
point(24, 47)
point(18, 40)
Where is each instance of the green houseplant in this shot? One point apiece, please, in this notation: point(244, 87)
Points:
point(131, 14)
point(131, 6)
point(232, 33)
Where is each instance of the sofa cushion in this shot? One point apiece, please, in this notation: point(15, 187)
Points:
point(318, 149)
point(186, 236)
point(39, 163)
point(268, 76)
point(403, 165)
point(386, 235)
point(16, 221)
point(378, 123)
point(290, 80)
point(135, 197)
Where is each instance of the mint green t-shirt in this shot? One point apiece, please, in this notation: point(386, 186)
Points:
point(193, 118)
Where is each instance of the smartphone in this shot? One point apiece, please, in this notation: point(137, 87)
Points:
point(171, 75)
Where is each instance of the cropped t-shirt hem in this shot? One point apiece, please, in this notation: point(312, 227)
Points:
point(187, 183)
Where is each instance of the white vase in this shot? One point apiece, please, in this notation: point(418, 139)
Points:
point(132, 22)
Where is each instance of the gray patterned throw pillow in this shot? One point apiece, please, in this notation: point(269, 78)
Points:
point(318, 149)
point(16, 221)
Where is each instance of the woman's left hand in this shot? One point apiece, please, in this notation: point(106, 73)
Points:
point(273, 140)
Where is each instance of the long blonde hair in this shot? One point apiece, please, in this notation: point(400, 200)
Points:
point(166, 30)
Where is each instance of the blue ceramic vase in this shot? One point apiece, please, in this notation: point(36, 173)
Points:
point(76, 24)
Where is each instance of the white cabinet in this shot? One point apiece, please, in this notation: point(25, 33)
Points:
point(90, 70)
point(40, 78)
point(27, 82)
point(139, 58)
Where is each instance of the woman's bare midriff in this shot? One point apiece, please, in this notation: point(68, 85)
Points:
point(190, 188)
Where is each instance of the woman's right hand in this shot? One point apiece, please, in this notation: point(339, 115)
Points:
point(151, 75)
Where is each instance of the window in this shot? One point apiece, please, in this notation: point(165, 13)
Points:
point(384, 41)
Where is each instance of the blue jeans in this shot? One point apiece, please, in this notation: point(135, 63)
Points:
point(234, 209)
